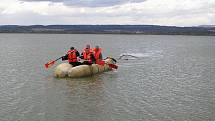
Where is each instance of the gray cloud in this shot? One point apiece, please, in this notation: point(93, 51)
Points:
point(162, 12)
point(90, 3)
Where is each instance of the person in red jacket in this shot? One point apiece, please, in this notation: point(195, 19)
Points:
point(72, 57)
point(88, 55)
point(97, 54)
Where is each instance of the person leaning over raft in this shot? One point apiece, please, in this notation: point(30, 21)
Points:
point(88, 56)
point(72, 57)
point(97, 54)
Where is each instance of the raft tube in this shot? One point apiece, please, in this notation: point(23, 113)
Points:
point(66, 70)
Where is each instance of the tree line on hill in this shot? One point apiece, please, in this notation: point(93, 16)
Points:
point(110, 29)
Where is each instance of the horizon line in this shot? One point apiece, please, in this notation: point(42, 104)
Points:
point(101, 25)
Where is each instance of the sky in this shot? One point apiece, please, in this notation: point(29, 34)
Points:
point(98, 12)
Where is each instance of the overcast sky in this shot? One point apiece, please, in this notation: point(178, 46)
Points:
point(155, 12)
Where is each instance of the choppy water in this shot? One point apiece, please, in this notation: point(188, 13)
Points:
point(172, 79)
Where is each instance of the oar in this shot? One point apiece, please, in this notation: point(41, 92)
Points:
point(52, 62)
point(102, 63)
point(113, 66)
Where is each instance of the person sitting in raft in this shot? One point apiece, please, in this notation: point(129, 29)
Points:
point(97, 54)
point(72, 57)
point(88, 56)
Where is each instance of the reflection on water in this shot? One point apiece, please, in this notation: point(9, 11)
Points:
point(171, 79)
point(83, 98)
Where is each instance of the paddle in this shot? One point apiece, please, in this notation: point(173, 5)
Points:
point(52, 62)
point(102, 63)
point(113, 66)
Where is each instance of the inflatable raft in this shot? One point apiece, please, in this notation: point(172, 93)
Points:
point(66, 70)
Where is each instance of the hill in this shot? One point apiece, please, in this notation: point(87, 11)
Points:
point(110, 29)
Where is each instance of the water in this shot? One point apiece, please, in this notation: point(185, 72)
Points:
point(172, 79)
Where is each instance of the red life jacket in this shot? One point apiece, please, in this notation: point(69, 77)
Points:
point(72, 56)
point(97, 54)
point(87, 54)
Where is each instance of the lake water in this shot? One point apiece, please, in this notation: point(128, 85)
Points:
point(172, 79)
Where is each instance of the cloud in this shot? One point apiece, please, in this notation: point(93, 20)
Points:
point(159, 12)
point(90, 3)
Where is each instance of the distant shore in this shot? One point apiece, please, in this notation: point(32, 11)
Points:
point(108, 33)
point(109, 29)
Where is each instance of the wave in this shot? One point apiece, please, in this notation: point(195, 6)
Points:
point(131, 56)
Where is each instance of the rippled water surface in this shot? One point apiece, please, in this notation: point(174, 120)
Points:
point(170, 78)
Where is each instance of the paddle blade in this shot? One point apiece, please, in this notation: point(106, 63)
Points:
point(49, 64)
point(113, 66)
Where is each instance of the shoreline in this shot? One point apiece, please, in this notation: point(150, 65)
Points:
point(106, 33)
point(109, 29)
